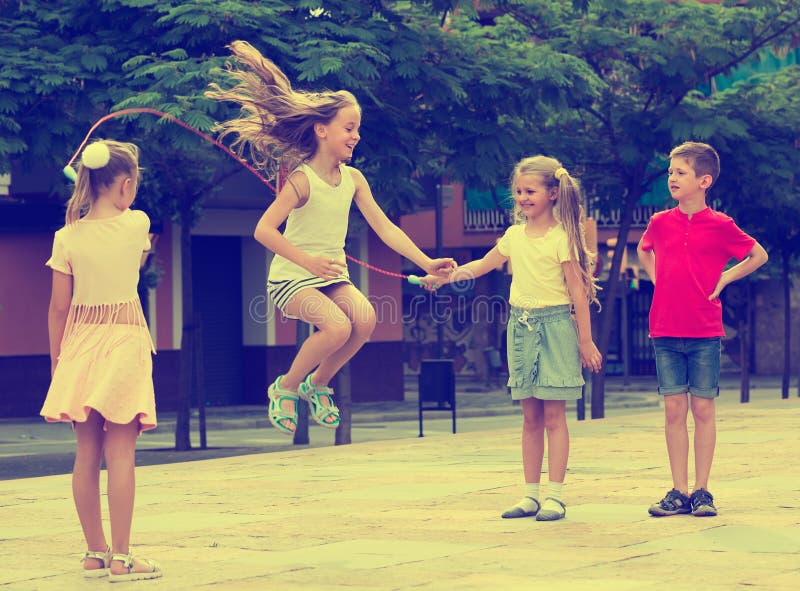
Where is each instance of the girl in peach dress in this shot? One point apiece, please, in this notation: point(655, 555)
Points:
point(101, 351)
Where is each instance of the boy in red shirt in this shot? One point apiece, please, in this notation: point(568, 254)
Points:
point(684, 250)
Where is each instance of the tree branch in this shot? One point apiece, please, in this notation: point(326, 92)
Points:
point(757, 45)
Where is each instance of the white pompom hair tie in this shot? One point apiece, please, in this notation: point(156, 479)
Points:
point(95, 155)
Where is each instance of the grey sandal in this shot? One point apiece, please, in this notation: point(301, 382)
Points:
point(516, 512)
point(549, 514)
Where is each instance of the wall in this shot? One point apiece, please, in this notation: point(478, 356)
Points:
point(769, 349)
point(24, 293)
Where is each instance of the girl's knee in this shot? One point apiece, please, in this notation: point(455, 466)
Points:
point(364, 324)
point(88, 457)
point(554, 420)
point(532, 422)
point(338, 331)
point(555, 414)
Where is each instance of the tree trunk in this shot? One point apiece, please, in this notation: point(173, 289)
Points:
point(610, 298)
point(344, 402)
point(182, 427)
point(301, 433)
point(200, 382)
point(787, 324)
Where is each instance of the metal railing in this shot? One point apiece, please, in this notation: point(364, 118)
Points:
point(497, 220)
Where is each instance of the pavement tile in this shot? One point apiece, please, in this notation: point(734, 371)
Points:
point(413, 514)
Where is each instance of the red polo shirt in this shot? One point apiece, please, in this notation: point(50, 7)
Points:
point(690, 257)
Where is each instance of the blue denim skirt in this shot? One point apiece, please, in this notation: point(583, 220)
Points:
point(543, 357)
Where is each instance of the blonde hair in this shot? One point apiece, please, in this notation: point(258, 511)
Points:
point(277, 122)
point(123, 160)
point(567, 210)
point(701, 157)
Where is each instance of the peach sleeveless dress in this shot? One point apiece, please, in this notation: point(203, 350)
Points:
point(106, 361)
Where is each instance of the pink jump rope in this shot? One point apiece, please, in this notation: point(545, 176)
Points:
point(70, 173)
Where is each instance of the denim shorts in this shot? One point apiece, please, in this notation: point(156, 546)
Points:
point(543, 357)
point(688, 365)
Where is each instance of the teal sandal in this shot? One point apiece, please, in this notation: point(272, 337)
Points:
point(277, 414)
point(319, 411)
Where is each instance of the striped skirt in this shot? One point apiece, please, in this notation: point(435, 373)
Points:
point(282, 292)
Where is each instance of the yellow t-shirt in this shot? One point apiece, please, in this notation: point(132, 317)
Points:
point(538, 279)
point(103, 256)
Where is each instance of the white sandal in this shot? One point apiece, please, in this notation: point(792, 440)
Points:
point(132, 575)
point(96, 573)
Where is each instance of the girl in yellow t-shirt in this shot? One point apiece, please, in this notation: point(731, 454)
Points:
point(551, 277)
point(101, 351)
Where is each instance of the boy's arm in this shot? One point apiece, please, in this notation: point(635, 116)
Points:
point(590, 355)
point(755, 258)
point(647, 258)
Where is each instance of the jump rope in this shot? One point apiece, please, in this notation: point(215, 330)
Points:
point(72, 175)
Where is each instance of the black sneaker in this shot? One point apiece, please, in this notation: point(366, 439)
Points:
point(702, 503)
point(674, 503)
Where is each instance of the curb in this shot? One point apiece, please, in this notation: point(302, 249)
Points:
point(168, 426)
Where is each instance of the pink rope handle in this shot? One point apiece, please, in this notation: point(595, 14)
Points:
point(221, 146)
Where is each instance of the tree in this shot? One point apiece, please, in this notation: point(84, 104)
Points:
point(649, 56)
point(419, 85)
point(763, 184)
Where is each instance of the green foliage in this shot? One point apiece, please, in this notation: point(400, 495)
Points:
point(760, 180)
point(606, 85)
point(647, 57)
point(420, 86)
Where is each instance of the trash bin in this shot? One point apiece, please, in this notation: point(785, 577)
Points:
point(437, 388)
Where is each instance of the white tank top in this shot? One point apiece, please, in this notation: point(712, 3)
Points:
point(319, 227)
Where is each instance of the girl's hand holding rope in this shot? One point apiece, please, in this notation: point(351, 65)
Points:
point(433, 282)
point(440, 266)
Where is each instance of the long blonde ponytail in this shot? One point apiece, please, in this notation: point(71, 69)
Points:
point(568, 210)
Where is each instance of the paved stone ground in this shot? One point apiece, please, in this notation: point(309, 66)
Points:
point(423, 514)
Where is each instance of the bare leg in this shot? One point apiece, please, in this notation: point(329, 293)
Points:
point(532, 439)
point(555, 420)
point(676, 408)
point(120, 453)
point(361, 315)
point(333, 331)
point(705, 439)
point(532, 457)
point(86, 484)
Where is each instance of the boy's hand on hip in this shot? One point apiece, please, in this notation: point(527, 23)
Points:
point(717, 290)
